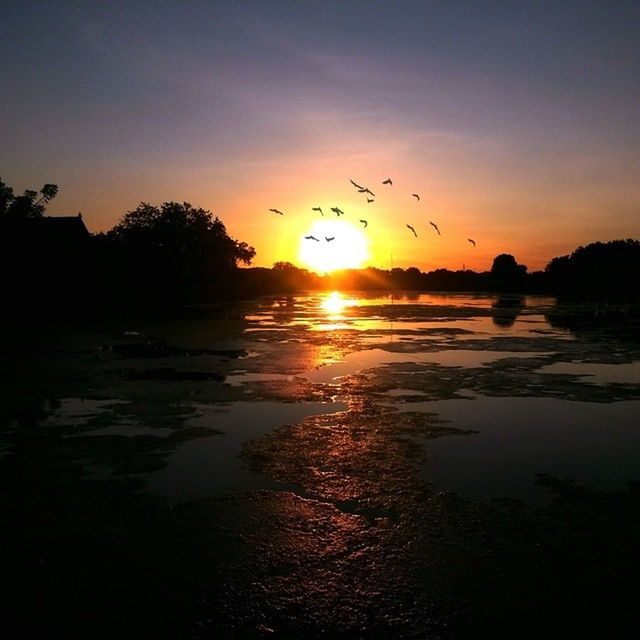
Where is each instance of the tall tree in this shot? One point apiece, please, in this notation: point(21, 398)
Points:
point(31, 204)
point(176, 250)
point(507, 274)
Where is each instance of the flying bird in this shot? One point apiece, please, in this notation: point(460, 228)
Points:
point(412, 229)
point(370, 200)
point(276, 211)
point(473, 242)
point(416, 196)
point(435, 226)
point(317, 209)
point(337, 211)
point(367, 190)
point(364, 222)
point(355, 184)
point(329, 239)
point(387, 181)
point(311, 238)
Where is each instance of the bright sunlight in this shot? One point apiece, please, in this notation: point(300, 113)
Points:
point(335, 303)
point(338, 244)
point(335, 306)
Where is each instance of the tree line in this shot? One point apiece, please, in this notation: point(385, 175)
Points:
point(175, 253)
point(599, 271)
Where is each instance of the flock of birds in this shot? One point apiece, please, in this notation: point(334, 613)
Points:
point(365, 190)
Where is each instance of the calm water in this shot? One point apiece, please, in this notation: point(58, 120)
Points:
point(540, 398)
point(322, 466)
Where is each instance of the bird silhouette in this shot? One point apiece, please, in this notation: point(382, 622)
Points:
point(329, 239)
point(364, 222)
point(473, 242)
point(412, 229)
point(416, 196)
point(387, 181)
point(370, 200)
point(337, 211)
point(311, 238)
point(435, 226)
point(367, 190)
point(276, 211)
point(355, 184)
point(317, 209)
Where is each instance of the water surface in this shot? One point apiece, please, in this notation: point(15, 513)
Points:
point(496, 366)
point(322, 466)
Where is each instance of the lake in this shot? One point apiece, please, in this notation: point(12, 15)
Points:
point(333, 462)
point(435, 354)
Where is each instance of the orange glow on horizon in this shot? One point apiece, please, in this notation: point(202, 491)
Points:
point(497, 216)
point(387, 241)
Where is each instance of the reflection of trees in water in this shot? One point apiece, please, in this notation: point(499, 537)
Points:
point(284, 310)
point(408, 295)
point(619, 322)
point(505, 310)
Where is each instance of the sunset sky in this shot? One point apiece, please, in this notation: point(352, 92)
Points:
point(518, 124)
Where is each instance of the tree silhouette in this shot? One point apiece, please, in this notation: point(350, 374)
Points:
point(31, 204)
point(175, 251)
point(507, 274)
point(287, 277)
point(599, 270)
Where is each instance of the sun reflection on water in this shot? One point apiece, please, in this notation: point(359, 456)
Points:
point(335, 303)
point(335, 307)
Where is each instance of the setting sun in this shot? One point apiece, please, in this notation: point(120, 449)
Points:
point(338, 244)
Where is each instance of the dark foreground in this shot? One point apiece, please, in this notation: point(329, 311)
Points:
point(316, 509)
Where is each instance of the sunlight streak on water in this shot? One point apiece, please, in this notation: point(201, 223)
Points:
point(335, 304)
